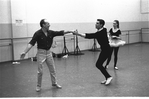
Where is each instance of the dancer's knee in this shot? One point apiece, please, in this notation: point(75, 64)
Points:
point(40, 73)
point(98, 65)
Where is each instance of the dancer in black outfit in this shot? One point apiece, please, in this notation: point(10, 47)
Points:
point(101, 36)
point(114, 34)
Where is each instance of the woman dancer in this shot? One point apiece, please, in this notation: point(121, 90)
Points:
point(114, 34)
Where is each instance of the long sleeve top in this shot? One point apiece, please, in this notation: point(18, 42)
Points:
point(101, 37)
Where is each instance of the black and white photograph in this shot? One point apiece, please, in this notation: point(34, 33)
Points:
point(74, 48)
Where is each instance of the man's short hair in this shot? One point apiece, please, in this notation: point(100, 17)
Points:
point(101, 21)
point(42, 22)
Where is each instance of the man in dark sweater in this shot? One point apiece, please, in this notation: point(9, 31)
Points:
point(101, 37)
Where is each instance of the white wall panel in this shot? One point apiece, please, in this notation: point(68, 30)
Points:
point(20, 18)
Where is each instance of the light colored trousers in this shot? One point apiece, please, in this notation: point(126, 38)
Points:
point(45, 56)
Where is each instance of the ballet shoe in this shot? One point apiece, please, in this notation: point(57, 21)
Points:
point(57, 86)
point(116, 68)
point(103, 82)
point(38, 88)
point(108, 81)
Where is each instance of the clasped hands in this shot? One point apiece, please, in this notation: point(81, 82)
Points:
point(75, 32)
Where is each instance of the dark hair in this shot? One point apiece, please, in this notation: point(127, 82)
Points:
point(42, 22)
point(117, 22)
point(101, 22)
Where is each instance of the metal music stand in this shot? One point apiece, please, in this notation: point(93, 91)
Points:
point(65, 49)
point(77, 50)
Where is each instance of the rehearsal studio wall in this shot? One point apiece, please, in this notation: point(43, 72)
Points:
point(20, 18)
point(5, 31)
point(144, 9)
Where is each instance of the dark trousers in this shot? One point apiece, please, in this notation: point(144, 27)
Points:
point(104, 54)
point(115, 49)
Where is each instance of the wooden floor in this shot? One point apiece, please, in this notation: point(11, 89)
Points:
point(79, 77)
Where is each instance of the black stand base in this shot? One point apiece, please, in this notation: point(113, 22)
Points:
point(77, 51)
point(95, 50)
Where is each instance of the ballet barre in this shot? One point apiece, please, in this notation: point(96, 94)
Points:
point(126, 36)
